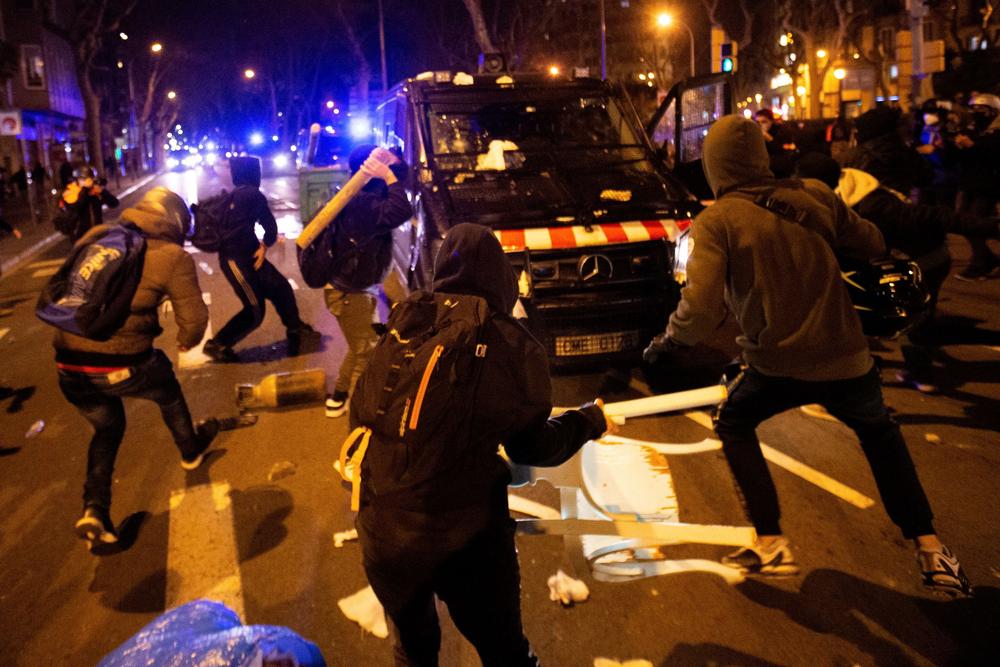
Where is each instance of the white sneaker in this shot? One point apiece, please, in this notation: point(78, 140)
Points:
point(336, 404)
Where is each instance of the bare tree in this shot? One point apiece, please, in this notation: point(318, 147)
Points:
point(483, 37)
point(93, 21)
point(363, 68)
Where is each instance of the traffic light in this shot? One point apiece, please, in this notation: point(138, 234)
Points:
point(723, 51)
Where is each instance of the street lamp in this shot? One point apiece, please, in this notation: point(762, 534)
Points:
point(123, 36)
point(171, 95)
point(553, 70)
point(248, 74)
point(666, 20)
point(156, 47)
point(839, 73)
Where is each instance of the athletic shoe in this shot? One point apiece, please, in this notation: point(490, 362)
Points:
point(942, 573)
point(817, 411)
point(96, 526)
point(205, 433)
point(295, 336)
point(776, 560)
point(908, 379)
point(336, 404)
point(220, 352)
point(972, 273)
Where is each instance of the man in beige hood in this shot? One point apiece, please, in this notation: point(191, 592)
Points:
point(767, 250)
point(96, 375)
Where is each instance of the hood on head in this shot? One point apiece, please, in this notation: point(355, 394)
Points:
point(245, 170)
point(734, 154)
point(876, 123)
point(161, 214)
point(855, 185)
point(471, 261)
point(821, 167)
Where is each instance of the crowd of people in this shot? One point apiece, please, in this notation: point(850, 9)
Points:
point(429, 522)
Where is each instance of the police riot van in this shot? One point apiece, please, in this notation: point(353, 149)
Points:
point(564, 173)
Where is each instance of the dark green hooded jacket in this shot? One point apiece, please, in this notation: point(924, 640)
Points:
point(779, 277)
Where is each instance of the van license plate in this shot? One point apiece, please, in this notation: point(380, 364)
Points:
point(603, 343)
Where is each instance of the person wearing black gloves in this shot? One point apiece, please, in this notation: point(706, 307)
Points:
point(766, 249)
point(451, 535)
point(243, 261)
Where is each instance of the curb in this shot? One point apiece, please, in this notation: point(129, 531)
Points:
point(38, 247)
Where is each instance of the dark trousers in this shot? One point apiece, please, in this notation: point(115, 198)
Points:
point(98, 397)
point(476, 576)
point(253, 287)
point(916, 345)
point(856, 402)
point(983, 205)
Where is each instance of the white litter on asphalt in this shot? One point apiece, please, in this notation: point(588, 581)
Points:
point(206, 268)
point(207, 298)
point(4, 332)
point(566, 590)
point(344, 536)
point(364, 609)
point(167, 307)
point(295, 285)
point(610, 662)
point(196, 355)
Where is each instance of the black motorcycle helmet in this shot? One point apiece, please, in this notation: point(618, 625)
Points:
point(167, 205)
point(889, 295)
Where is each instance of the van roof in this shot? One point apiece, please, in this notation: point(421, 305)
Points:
point(445, 82)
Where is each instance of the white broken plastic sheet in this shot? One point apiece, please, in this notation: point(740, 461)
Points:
point(364, 609)
point(344, 536)
point(566, 590)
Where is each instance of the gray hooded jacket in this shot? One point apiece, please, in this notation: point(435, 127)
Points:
point(779, 277)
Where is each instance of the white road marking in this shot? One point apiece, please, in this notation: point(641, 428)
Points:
point(295, 285)
point(796, 467)
point(47, 262)
point(206, 268)
point(167, 307)
point(4, 332)
point(202, 558)
point(46, 272)
point(207, 298)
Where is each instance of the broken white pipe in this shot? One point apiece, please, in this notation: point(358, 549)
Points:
point(652, 405)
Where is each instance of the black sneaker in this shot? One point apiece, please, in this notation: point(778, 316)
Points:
point(96, 526)
point(205, 433)
point(942, 573)
point(220, 352)
point(775, 561)
point(336, 404)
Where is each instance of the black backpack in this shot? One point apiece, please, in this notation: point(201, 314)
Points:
point(412, 407)
point(91, 294)
point(211, 219)
point(337, 258)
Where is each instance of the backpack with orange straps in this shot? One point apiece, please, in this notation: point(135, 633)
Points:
point(412, 408)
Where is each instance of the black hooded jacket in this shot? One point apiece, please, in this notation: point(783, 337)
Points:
point(514, 402)
point(247, 209)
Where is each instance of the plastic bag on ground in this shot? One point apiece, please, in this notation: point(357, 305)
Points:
point(205, 633)
point(364, 609)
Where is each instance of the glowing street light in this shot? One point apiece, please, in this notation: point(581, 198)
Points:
point(553, 70)
point(330, 104)
point(839, 73)
point(665, 20)
point(821, 53)
point(256, 139)
point(171, 95)
point(123, 36)
point(156, 47)
point(249, 73)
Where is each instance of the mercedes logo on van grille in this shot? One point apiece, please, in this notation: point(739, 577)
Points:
point(593, 268)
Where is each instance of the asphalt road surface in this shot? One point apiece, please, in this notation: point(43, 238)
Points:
point(254, 526)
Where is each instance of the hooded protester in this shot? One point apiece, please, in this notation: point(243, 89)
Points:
point(766, 249)
point(451, 535)
point(242, 259)
point(358, 248)
point(979, 159)
point(882, 153)
point(95, 376)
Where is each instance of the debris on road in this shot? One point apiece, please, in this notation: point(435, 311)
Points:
point(35, 429)
point(609, 662)
point(566, 590)
point(344, 536)
point(206, 268)
point(281, 470)
point(280, 389)
point(364, 609)
point(932, 438)
point(240, 421)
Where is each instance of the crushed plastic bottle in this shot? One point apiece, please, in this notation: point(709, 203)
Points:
point(35, 429)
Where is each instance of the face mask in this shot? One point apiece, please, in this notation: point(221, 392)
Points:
point(931, 119)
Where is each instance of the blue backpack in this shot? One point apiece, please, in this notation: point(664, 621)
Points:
point(91, 294)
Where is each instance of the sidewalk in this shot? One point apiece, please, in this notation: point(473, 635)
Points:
point(40, 235)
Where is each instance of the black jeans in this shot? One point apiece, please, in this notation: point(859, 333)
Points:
point(856, 402)
point(253, 287)
point(983, 205)
point(98, 397)
point(476, 576)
